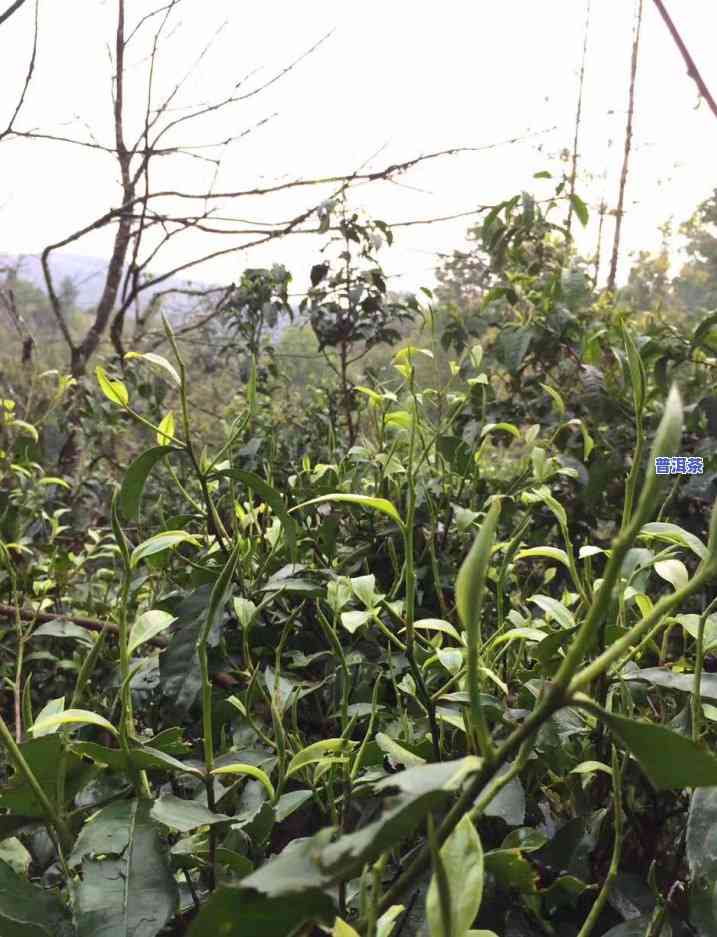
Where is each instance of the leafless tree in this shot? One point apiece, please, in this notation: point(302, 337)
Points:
point(143, 226)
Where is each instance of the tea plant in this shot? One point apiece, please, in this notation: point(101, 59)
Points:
point(387, 693)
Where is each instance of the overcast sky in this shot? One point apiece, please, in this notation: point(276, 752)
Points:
point(397, 78)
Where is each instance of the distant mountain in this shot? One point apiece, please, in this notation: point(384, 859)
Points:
point(87, 275)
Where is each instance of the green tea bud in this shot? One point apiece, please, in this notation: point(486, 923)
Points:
point(667, 443)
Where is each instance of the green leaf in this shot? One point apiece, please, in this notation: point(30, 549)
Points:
point(666, 443)
point(160, 362)
point(15, 855)
point(51, 708)
point(638, 377)
point(342, 929)
point(165, 430)
point(104, 834)
point(135, 478)
point(552, 607)
point(557, 399)
point(43, 756)
point(313, 753)
point(669, 760)
point(113, 390)
point(509, 802)
point(251, 771)
point(410, 795)
point(636, 927)
point(26, 428)
point(178, 664)
point(672, 533)
point(581, 209)
point(703, 334)
point(691, 624)
point(275, 501)
point(353, 620)
point(29, 911)
point(130, 892)
point(241, 912)
point(64, 629)
point(288, 803)
point(589, 767)
point(551, 553)
point(674, 572)
point(374, 504)
point(160, 542)
point(437, 624)
point(219, 595)
point(512, 870)
point(146, 758)
point(184, 815)
point(387, 922)
point(72, 717)
point(701, 843)
point(507, 427)
point(518, 634)
point(397, 752)
point(470, 590)
point(147, 626)
point(683, 682)
point(470, 582)
point(512, 346)
point(462, 858)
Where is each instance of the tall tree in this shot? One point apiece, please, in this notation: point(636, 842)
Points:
point(696, 285)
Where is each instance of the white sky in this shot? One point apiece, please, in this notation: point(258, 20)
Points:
point(401, 76)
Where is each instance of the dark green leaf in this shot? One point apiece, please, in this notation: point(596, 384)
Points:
point(179, 664)
point(238, 912)
point(43, 755)
point(668, 759)
point(131, 893)
point(511, 869)
point(684, 682)
point(130, 493)
point(29, 911)
point(702, 860)
point(184, 815)
point(512, 346)
point(273, 498)
point(64, 629)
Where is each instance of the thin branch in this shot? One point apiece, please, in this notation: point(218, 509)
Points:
point(94, 624)
point(619, 211)
point(233, 99)
point(28, 76)
point(13, 8)
point(692, 69)
point(167, 7)
point(574, 168)
point(380, 174)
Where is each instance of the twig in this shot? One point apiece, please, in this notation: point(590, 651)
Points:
point(94, 624)
point(626, 157)
point(692, 69)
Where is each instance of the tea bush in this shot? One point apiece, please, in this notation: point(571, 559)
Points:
point(439, 662)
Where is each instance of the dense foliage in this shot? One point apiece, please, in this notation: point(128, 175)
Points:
point(320, 635)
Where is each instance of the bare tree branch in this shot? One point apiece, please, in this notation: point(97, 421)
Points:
point(692, 69)
point(29, 73)
point(619, 211)
point(234, 99)
point(578, 113)
point(13, 8)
